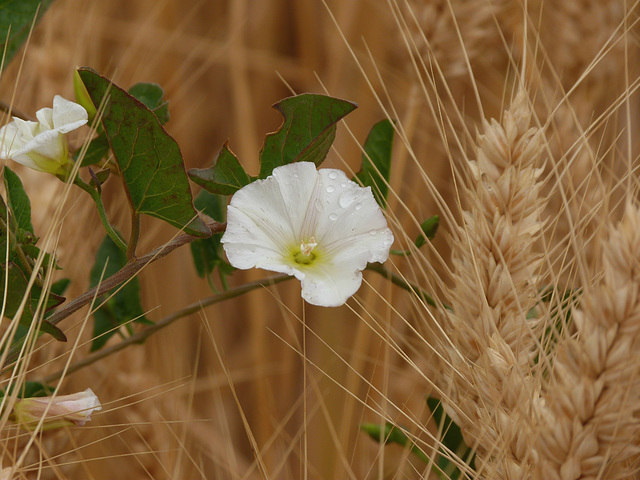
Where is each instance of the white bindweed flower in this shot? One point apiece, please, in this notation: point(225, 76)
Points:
point(314, 224)
point(42, 145)
point(58, 412)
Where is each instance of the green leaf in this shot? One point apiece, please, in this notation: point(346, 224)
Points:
point(152, 95)
point(16, 289)
point(390, 433)
point(16, 18)
point(48, 260)
point(376, 160)
point(18, 200)
point(307, 132)
point(149, 159)
point(97, 150)
point(225, 177)
point(60, 286)
point(207, 252)
point(122, 306)
point(451, 438)
point(429, 228)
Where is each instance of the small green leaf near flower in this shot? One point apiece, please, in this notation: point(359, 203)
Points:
point(376, 161)
point(225, 177)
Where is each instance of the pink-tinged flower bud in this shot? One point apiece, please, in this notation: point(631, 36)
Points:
point(58, 412)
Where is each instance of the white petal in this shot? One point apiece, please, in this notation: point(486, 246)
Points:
point(45, 119)
point(268, 214)
point(330, 285)
point(67, 116)
point(49, 144)
point(345, 209)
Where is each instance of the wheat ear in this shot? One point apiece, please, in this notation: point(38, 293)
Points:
point(589, 426)
point(492, 342)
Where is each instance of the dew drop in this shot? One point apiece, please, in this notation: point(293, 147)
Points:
point(345, 200)
point(358, 206)
point(331, 189)
point(333, 175)
point(373, 232)
point(343, 185)
point(333, 217)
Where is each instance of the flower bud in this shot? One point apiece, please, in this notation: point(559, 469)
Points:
point(82, 96)
point(58, 412)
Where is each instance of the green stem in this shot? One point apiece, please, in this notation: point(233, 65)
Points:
point(135, 235)
point(97, 199)
point(402, 283)
point(165, 322)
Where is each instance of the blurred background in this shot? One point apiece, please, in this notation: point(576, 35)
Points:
point(432, 65)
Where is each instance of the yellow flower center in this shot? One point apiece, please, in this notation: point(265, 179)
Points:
point(305, 256)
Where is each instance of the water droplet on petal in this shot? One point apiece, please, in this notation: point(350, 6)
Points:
point(345, 200)
point(333, 217)
point(373, 232)
point(343, 185)
point(331, 189)
point(358, 206)
point(333, 175)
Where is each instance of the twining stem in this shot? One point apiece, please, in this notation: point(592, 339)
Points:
point(97, 199)
point(165, 322)
point(126, 272)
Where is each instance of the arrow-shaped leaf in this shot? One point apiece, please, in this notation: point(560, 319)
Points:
point(225, 177)
point(148, 157)
point(307, 133)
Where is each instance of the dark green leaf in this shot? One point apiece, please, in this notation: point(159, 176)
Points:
point(207, 252)
point(149, 159)
point(152, 95)
point(225, 177)
point(48, 261)
point(97, 150)
point(60, 286)
point(429, 228)
point(121, 307)
point(18, 200)
point(376, 160)
point(307, 132)
point(16, 18)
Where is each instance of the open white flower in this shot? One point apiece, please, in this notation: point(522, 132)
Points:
point(42, 145)
point(314, 224)
point(60, 411)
